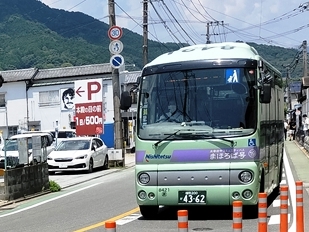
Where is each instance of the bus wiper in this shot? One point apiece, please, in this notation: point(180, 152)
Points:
point(233, 143)
point(170, 135)
point(186, 134)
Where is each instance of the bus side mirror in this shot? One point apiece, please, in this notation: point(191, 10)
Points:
point(1, 80)
point(125, 100)
point(265, 93)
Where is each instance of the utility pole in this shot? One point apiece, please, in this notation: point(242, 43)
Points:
point(116, 91)
point(288, 86)
point(207, 34)
point(207, 30)
point(305, 58)
point(305, 79)
point(145, 31)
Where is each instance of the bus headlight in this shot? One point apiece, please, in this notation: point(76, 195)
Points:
point(245, 177)
point(144, 178)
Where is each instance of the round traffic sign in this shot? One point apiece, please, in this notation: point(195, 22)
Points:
point(115, 47)
point(114, 32)
point(116, 61)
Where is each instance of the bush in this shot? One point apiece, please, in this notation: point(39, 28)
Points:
point(53, 186)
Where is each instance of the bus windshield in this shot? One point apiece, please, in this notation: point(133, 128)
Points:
point(218, 102)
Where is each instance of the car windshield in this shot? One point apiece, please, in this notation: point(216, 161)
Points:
point(12, 145)
point(69, 145)
point(64, 134)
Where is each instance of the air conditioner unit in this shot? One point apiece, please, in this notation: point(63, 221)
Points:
point(115, 154)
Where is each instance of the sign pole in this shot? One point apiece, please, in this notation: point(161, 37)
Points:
point(116, 92)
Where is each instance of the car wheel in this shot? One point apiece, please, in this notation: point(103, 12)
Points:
point(90, 168)
point(105, 165)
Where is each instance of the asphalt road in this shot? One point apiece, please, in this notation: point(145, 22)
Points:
point(87, 201)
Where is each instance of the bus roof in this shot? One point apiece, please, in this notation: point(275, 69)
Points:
point(226, 50)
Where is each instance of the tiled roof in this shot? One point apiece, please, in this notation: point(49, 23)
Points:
point(131, 77)
point(74, 71)
point(18, 75)
point(40, 74)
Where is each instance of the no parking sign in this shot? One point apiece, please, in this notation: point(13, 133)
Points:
point(117, 61)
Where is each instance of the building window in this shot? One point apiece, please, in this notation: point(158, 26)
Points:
point(2, 100)
point(49, 98)
point(12, 130)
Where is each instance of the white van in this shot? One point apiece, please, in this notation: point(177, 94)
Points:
point(62, 134)
point(12, 153)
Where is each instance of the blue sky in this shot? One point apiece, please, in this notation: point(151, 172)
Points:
point(274, 22)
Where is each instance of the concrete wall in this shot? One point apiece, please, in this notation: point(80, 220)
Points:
point(21, 182)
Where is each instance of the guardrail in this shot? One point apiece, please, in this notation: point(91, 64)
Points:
point(183, 225)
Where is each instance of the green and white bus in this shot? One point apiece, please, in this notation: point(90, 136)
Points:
point(229, 143)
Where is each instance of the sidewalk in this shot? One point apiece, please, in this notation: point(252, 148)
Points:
point(299, 158)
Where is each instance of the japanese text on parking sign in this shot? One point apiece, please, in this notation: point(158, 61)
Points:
point(89, 109)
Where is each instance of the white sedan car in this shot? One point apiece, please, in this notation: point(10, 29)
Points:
point(79, 153)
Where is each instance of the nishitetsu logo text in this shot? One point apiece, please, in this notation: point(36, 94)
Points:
point(156, 157)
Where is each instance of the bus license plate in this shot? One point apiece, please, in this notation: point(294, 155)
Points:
point(192, 197)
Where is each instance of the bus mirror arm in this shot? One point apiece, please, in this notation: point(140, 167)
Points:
point(264, 87)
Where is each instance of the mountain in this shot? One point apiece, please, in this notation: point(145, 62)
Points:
point(35, 35)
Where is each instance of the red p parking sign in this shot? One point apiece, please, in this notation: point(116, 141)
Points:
point(89, 115)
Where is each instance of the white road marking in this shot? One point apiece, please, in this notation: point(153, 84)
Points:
point(49, 200)
point(292, 189)
point(128, 219)
point(275, 219)
point(287, 174)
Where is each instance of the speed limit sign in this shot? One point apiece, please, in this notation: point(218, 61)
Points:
point(115, 33)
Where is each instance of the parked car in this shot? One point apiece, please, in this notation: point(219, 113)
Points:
point(62, 134)
point(78, 153)
point(1, 141)
point(12, 153)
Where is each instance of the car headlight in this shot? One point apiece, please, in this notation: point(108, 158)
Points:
point(49, 158)
point(81, 157)
point(144, 178)
point(245, 176)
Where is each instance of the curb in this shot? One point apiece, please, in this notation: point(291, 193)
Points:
point(7, 203)
point(306, 153)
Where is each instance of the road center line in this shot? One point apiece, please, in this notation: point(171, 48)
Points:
point(111, 219)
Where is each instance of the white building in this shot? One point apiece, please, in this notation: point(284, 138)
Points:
point(30, 99)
